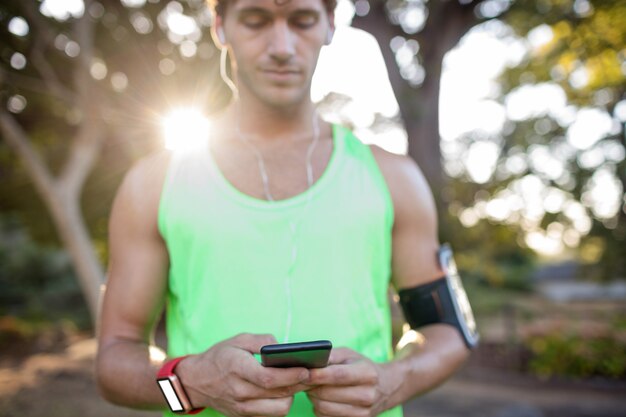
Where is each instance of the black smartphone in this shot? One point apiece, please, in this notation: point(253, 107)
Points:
point(312, 354)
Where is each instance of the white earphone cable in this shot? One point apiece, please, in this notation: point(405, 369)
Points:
point(293, 225)
point(224, 75)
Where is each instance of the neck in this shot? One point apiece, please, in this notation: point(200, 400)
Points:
point(263, 123)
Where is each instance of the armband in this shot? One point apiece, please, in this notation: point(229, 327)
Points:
point(441, 301)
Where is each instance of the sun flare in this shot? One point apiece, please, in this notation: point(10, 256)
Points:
point(185, 129)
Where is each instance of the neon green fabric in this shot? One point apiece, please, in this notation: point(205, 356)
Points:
point(230, 252)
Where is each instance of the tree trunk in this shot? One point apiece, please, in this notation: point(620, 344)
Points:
point(71, 227)
point(419, 108)
point(62, 198)
point(62, 194)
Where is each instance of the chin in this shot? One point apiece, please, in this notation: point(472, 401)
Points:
point(284, 97)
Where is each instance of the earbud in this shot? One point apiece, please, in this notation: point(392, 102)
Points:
point(329, 36)
point(221, 36)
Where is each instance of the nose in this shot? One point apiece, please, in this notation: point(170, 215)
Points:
point(282, 44)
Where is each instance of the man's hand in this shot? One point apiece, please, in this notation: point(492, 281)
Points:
point(351, 385)
point(229, 379)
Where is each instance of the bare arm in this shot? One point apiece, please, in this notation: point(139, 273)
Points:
point(225, 377)
point(135, 291)
point(419, 366)
point(353, 385)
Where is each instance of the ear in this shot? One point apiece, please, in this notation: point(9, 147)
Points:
point(217, 33)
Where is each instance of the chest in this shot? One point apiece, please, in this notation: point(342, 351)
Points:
point(282, 170)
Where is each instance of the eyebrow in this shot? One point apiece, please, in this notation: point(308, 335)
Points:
point(253, 9)
point(260, 10)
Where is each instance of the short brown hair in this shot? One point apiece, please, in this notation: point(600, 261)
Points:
point(218, 7)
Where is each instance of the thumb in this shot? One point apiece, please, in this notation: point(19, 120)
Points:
point(343, 355)
point(252, 342)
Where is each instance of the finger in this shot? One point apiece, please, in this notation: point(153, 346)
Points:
point(356, 395)
point(252, 342)
point(341, 355)
point(357, 373)
point(243, 391)
point(269, 378)
point(277, 407)
point(328, 408)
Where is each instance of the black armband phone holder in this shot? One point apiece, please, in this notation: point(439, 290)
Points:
point(441, 301)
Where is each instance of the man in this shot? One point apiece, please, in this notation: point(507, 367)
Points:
point(285, 228)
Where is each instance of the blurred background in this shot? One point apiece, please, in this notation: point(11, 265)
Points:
point(515, 111)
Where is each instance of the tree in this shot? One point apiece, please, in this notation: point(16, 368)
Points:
point(71, 65)
point(570, 146)
point(414, 38)
point(61, 192)
point(584, 56)
point(587, 45)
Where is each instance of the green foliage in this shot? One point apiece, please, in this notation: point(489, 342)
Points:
point(36, 283)
point(489, 254)
point(512, 273)
point(566, 354)
point(592, 38)
point(488, 301)
point(588, 38)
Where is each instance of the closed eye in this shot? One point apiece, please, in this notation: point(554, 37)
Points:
point(254, 18)
point(304, 20)
point(256, 22)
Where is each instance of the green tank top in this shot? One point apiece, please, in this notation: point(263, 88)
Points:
point(230, 254)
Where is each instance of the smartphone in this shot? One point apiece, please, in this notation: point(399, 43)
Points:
point(312, 354)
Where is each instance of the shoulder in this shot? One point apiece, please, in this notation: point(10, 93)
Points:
point(138, 196)
point(152, 166)
point(412, 197)
point(146, 175)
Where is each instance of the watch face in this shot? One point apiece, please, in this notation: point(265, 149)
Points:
point(170, 395)
point(459, 296)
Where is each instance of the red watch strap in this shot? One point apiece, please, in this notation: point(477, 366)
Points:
point(168, 369)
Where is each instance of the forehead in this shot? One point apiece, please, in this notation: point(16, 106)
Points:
point(277, 6)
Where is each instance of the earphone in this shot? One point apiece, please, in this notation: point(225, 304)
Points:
point(329, 37)
point(221, 36)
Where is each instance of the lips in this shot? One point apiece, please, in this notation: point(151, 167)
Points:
point(280, 75)
point(281, 70)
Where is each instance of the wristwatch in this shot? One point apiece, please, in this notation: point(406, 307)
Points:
point(173, 390)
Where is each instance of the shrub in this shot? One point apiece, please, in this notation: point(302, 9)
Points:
point(36, 282)
point(578, 354)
